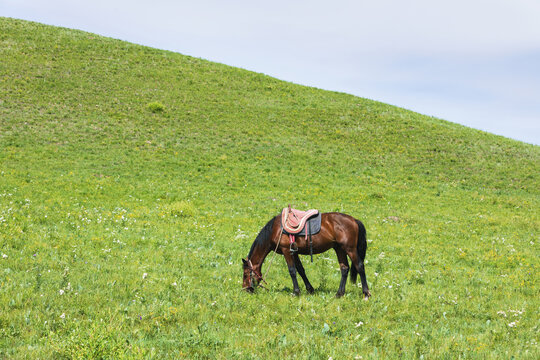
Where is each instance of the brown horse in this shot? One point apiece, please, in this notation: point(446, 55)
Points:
point(341, 232)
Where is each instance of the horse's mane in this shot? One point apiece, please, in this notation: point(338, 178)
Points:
point(263, 236)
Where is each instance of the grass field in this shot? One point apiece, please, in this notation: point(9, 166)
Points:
point(133, 181)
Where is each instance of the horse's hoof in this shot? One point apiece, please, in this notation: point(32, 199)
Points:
point(367, 295)
point(310, 290)
point(339, 294)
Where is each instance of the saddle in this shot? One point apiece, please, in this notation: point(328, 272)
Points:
point(294, 221)
point(300, 223)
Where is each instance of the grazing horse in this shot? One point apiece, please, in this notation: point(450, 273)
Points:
point(341, 232)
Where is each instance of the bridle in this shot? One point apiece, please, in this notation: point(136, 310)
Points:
point(254, 275)
point(258, 275)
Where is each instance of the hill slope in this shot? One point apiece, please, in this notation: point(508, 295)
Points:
point(132, 181)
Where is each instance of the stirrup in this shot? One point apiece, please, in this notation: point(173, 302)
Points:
point(293, 248)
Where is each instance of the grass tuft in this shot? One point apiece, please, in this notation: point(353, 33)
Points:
point(155, 107)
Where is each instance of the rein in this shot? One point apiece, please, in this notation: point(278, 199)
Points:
point(274, 255)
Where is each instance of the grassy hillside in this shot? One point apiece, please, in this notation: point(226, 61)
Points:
point(133, 180)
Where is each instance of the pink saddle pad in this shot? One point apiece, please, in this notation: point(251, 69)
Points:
point(294, 220)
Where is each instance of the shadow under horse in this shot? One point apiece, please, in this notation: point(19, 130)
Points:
point(341, 232)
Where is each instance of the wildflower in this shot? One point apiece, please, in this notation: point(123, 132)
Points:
point(360, 323)
point(61, 292)
point(174, 284)
point(4, 256)
point(512, 324)
point(144, 275)
point(63, 316)
point(516, 312)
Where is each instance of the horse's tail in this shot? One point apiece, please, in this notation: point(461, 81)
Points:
point(361, 247)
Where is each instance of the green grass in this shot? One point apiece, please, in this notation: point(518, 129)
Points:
point(133, 180)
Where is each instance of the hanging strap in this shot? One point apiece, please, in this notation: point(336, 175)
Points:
point(310, 240)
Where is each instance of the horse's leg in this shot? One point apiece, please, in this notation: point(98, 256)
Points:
point(344, 267)
point(292, 269)
point(358, 262)
point(302, 273)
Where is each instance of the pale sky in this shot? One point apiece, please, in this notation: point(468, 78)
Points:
point(472, 62)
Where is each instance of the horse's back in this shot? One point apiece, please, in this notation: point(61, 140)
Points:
point(341, 227)
point(340, 219)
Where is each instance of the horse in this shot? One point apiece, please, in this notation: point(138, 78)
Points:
point(341, 232)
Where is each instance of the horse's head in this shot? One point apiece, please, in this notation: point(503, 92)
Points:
point(252, 277)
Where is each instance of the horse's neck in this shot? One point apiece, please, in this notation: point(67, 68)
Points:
point(259, 254)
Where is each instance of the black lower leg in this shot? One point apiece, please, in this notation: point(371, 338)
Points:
point(344, 273)
point(292, 272)
point(362, 272)
point(302, 273)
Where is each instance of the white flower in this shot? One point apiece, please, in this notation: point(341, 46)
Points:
point(4, 256)
point(61, 291)
point(360, 323)
point(63, 316)
point(144, 275)
point(512, 324)
point(174, 284)
point(516, 312)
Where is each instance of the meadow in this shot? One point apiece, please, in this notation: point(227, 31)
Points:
point(133, 180)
